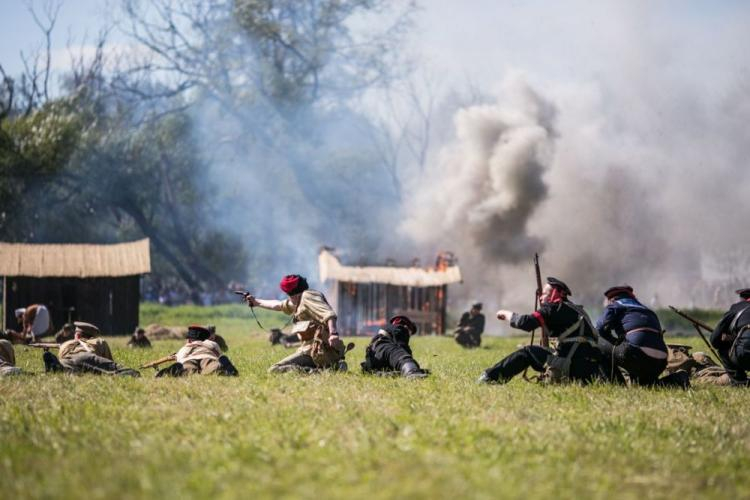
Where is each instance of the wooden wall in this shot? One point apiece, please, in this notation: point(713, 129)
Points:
point(363, 307)
point(112, 304)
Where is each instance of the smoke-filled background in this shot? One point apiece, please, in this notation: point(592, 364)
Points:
point(609, 137)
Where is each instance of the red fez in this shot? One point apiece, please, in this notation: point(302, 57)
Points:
point(403, 320)
point(616, 291)
point(292, 284)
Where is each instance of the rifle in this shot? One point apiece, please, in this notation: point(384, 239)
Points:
point(697, 324)
point(44, 345)
point(154, 364)
point(544, 341)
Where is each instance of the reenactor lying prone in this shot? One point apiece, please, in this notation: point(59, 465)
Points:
point(199, 356)
point(389, 350)
point(85, 353)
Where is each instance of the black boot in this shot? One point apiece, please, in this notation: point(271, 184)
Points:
point(227, 368)
point(51, 363)
point(680, 378)
point(174, 370)
point(410, 369)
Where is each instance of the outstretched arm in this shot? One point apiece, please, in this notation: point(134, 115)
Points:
point(270, 304)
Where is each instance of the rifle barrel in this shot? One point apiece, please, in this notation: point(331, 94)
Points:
point(692, 320)
point(698, 325)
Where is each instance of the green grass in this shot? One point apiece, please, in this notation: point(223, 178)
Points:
point(355, 436)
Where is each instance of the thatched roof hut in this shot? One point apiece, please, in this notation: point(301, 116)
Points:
point(95, 283)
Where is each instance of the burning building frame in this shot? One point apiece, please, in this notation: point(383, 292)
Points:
point(366, 296)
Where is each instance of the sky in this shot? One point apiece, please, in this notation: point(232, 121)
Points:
point(479, 40)
point(650, 101)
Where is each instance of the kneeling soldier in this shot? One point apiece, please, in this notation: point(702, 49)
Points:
point(631, 339)
point(199, 355)
point(731, 337)
point(85, 353)
point(389, 350)
point(470, 327)
point(7, 359)
point(576, 356)
point(314, 323)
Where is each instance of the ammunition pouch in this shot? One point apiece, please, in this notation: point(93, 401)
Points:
point(324, 354)
point(307, 330)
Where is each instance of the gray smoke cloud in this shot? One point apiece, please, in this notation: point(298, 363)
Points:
point(607, 191)
point(487, 184)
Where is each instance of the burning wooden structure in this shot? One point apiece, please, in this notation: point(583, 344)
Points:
point(95, 283)
point(366, 296)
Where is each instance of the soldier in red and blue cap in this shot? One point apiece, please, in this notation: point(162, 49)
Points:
point(630, 337)
point(731, 337)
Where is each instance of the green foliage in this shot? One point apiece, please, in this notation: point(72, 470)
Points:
point(356, 436)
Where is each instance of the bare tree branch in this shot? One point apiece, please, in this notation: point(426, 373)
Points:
point(51, 11)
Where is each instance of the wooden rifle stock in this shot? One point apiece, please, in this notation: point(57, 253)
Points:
point(160, 361)
point(44, 345)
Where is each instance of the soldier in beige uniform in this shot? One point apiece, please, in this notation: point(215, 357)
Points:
point(7, 359)
point(314, 323)
point(86, 353)
point(199, 355)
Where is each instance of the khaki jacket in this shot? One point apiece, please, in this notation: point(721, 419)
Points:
point(96, 346)
point(198, 349)
point(313, 312)
point(7, 354)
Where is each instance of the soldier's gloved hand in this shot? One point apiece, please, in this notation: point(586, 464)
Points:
point(504, 315)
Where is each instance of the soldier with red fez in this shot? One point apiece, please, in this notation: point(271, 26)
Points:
point(200, 356)
point(731, 337)
point(314, 324)
point(85, 353)
point(389, 350)
point(631, 339)
point(576, 357)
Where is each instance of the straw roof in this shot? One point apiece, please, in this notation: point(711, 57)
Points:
point(75, 261)
point(330, 268)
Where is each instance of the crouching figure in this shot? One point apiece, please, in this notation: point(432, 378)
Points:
point(389, 350)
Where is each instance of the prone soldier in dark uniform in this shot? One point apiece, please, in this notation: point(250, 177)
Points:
point(731, 337)
point(389, 350)
point(576, 356)
point(631, 338)
point(470, 327)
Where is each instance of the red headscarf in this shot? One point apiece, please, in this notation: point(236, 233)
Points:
point(292, 284)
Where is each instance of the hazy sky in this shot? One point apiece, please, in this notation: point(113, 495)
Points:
point(478, 40)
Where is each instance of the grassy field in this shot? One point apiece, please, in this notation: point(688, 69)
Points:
point(355, 436)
